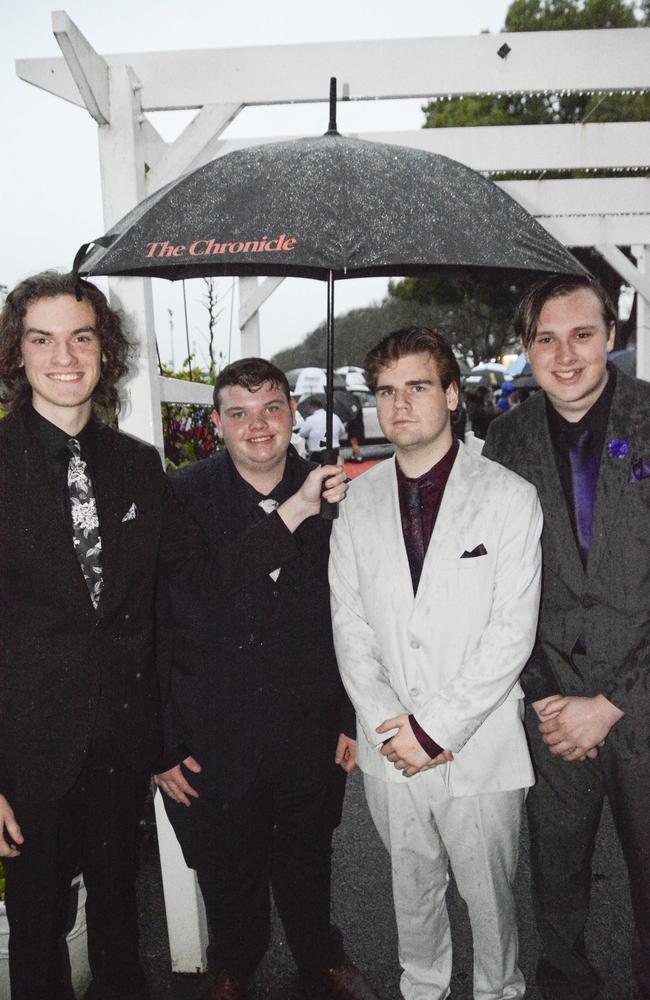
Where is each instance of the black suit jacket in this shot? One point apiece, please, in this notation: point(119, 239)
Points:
point(252, 677)
point(56, 653)
point(609, 601)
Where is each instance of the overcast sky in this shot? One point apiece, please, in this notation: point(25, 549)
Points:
point(50, 199)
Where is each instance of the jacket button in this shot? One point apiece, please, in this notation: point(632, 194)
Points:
point(414, 692)
point(414, 644)
point(588, 601)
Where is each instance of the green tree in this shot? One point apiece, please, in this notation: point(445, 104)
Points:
point(550, 109)
point(483, 313)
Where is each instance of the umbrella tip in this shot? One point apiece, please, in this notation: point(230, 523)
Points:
point(331, 128)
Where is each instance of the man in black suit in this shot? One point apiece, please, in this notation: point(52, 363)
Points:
point(258, 731)
point(584, 442)
point(86, 516)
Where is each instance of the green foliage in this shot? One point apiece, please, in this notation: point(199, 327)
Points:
point(550, 109)
point(355, 333)
point(474, 303)
point(475, 314)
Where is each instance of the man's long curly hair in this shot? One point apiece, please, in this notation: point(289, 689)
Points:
point(15, 390)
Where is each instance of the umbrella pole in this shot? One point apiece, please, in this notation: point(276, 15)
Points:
point(329, 511)
point(329, 399)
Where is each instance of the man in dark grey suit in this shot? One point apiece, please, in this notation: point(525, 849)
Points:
point(86, 519)
point(584, 442)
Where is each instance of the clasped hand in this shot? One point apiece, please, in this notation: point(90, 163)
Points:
point(575, 727)
point(9, 831)
point(404, 751)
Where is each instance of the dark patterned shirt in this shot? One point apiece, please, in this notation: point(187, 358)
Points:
point(419, 503)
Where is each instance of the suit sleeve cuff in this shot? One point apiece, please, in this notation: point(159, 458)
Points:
point(430, 747)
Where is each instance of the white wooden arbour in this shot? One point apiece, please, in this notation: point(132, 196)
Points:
point(119, 90)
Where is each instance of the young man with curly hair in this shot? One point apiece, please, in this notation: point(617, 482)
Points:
point(86, 519)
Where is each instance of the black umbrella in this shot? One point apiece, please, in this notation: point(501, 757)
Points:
point(329, 208)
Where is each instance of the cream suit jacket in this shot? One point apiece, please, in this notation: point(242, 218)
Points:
point(452, 654)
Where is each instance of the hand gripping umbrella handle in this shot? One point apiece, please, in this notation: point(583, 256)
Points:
point(329, 511)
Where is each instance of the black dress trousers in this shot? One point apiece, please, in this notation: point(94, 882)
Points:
point(92, 826)
point(277, 834)
point(564, 810)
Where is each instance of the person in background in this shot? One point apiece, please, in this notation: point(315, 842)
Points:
point(313, 430)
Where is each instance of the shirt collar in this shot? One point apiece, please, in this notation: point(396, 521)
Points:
point(594, 420)
point(281, 492)
point(54, 440)
point(436, 476)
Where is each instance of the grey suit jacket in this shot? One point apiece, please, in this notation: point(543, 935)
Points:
point(609, 601)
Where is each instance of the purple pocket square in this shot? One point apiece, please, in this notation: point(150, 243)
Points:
point(480, 550)
point(640, 470)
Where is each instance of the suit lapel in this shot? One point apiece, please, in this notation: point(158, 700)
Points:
point(389, 527)
point(614, 473)
point(544, 475)
point(112, 503)
point(45, 517)
point(459, 511)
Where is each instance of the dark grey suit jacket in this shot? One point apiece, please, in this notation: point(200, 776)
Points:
point(609, 602)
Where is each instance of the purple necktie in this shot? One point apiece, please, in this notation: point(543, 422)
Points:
point(584, 480)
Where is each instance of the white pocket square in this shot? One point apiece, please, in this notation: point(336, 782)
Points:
point(131, 513)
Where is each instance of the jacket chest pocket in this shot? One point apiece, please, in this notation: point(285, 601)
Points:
point(462, 580)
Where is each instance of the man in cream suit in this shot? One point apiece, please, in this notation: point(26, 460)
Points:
point(435, 577)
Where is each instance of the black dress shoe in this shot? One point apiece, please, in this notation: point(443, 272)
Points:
point(227, 987)
point(345, 982)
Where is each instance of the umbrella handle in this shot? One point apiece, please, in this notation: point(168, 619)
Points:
point(329, 511)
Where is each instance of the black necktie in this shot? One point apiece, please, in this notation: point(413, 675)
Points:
point(584, 480)
point(268, 505)
point(85, 522)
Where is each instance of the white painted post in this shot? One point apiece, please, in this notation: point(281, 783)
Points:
point(122, 158)
point(249, 327)
point(186, 921)
point(642, 253)
point(251, 297)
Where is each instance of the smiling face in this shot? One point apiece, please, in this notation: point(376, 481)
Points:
point(568, 354)
point(415, 411)
point(256, 428)
point(61, 354)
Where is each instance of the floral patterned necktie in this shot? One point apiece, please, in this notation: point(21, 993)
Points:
point(85, 522)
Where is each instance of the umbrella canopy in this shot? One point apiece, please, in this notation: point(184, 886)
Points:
point(329, 207)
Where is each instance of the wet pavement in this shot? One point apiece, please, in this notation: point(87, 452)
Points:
point(362, 908)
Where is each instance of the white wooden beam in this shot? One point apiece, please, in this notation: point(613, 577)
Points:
point(642, 255)
point(581, 196)
point(194, 146)
point(89, 71)
point(607, 146)
point(588, 231)
point(252, 296)
point(154, 145)
point(121, 150)
point(582, 212)
point(614, 59)
point(628, 272)
point(178, 390)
